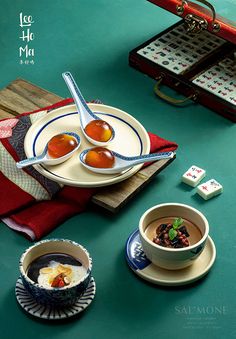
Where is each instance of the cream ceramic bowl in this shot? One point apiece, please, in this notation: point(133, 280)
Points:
point(173, 258)
point(52, 296)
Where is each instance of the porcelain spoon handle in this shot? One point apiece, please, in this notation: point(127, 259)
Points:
point(30, 161)
point(132, 161)
point(77, 95)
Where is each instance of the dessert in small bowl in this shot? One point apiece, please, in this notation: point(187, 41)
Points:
point(56, 272)
point(173, 235)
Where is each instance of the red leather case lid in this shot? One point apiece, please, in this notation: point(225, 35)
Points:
point(227, 27)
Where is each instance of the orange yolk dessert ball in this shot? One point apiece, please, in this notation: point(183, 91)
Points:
point(99, 130)
point(100, 157)
point(60, 145)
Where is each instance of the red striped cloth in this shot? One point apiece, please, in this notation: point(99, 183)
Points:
point(30, 203)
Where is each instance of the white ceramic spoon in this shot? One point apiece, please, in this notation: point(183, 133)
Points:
point(46, 159)
point(123, 163)
point(85, 113)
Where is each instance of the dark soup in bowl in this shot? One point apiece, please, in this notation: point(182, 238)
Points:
point(173, 232)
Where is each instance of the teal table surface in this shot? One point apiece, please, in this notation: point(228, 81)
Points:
point(92, 39)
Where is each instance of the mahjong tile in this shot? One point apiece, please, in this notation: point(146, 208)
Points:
point(183, 65)
point(201, 51)
point(181, 29)
point(179, 55)
point(164, 41)
point(161, 54)
point(173, 45)
point(146, 53)
point(232, 99)
point(165, 62)
point(206, 48)
point(172, 58)
point(157, 57)
point(226, 62)
point(207, 76)
point(168, 62)
point(209, 189)
point(212, 44)
point(167, 49)
point(186, 38)
point(150, 48)
point(233, 83)
point(158, 44)
point(183, 38)
point(217, 87)
point(201, 39)
point(190, 47)
point(175, 68)
point(223, 77)
point(178, 42)
point(217, 82)
point(194, 55)
point(200, 81)
point(168, 36)
point(190, 60)
point(207, 34)
point(193, 176)
point(230, 70)
point(211, 87)
point(183, 50)
point(214, 71)
point(174, 33)
point(218, 41)
point(229, 89)
point(222, 93)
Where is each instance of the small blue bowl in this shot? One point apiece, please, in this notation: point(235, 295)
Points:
point(54, 296)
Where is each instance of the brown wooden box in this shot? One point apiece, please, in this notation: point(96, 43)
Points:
point(210, 75)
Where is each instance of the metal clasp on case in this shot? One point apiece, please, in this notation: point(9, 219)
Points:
point(195, 24)
point(199, 24)
point(180, 8)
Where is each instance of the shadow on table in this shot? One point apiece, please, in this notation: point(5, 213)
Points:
point(184, 187)
point(186, 287)
point(133, 297)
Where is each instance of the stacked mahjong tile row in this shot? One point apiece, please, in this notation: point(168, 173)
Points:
point(178, 51)
point(220, 79)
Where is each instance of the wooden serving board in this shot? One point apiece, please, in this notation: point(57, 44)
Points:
point(21, 96)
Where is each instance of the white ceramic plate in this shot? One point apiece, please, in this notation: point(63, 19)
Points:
point(143, 267)
point(131, 139)
point(53, 313)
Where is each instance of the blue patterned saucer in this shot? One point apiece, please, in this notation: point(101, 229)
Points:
point(46, 312)
point(144, 268)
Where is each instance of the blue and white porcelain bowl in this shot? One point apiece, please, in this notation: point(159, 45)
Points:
point(173, 258)
point(56, 296)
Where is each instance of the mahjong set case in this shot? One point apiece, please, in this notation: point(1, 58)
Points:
point(196, 56)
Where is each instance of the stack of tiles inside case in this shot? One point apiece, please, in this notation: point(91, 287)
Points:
point(220, 79)
point(178, 51)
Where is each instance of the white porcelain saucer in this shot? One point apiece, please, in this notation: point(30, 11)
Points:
point(143, 267)
point(51, 313)
point(131, 139)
